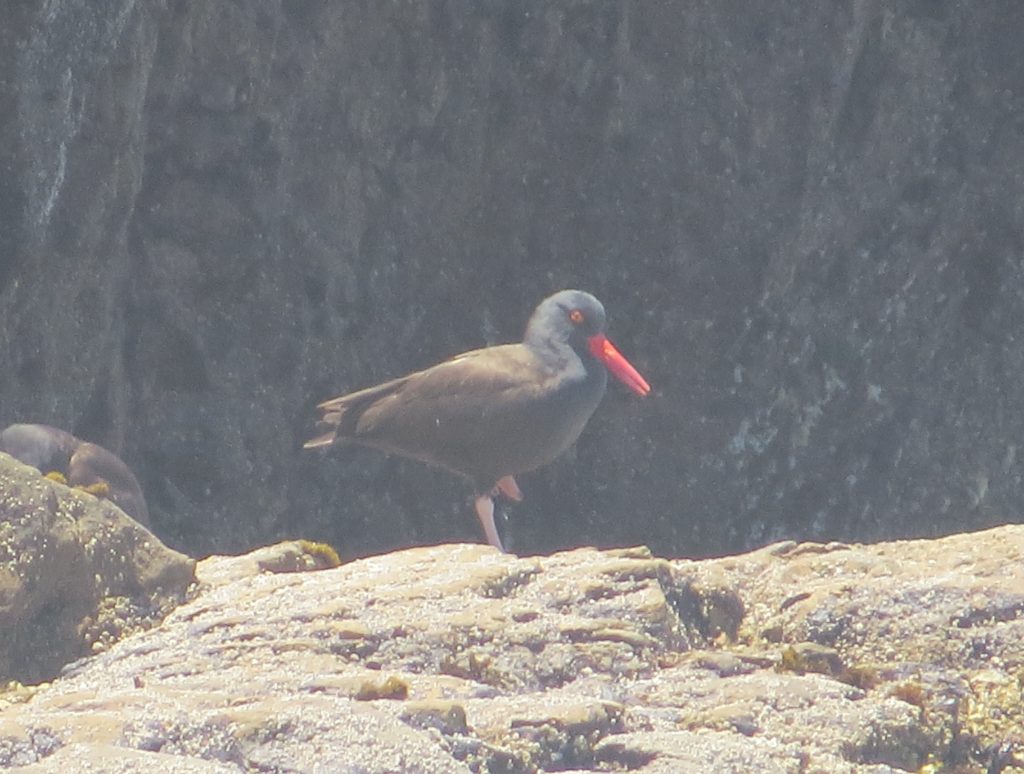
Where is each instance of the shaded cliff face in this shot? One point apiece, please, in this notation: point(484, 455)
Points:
point(805, 224)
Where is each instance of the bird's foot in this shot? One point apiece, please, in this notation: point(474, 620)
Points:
point(485, 512)
point(508, 487)
point(56, 475)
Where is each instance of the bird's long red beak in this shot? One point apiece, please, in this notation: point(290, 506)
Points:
point(605, 351)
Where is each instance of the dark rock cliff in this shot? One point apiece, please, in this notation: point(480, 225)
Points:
point(805, 221)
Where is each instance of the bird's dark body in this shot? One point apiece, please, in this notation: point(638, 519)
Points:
point(485, 414)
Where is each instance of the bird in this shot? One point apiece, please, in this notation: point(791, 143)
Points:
point(492, 413)
point(80, 464)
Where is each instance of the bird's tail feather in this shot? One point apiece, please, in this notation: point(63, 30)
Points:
point(321, 440)
point(341, 414)
point(330, 422)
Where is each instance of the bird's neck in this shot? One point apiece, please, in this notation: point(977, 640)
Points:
point(563, 360)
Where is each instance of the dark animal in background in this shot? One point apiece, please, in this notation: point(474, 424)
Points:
point(81, 464)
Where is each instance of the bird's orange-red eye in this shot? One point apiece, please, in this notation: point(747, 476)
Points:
point(576, 316)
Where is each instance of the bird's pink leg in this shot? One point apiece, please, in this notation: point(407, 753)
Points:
point(508, 487)
point(485, 512)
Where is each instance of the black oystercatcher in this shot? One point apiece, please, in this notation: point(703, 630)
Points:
point(494, 412)
point(80, 464)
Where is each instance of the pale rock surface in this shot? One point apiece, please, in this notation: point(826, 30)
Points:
point(454, 658)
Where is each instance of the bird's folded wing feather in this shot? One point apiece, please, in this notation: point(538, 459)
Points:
point(463, 389)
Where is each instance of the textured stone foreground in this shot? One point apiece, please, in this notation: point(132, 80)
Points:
point(454, 658)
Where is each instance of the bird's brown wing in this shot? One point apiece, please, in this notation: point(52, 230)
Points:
point(468, 388)
point(450, 404)
point(340, 415)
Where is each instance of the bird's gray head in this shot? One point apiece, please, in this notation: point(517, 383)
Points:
point(568, 316)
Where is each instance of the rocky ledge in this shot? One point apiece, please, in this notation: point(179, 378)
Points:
point(455, 658)
point(76, 574)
